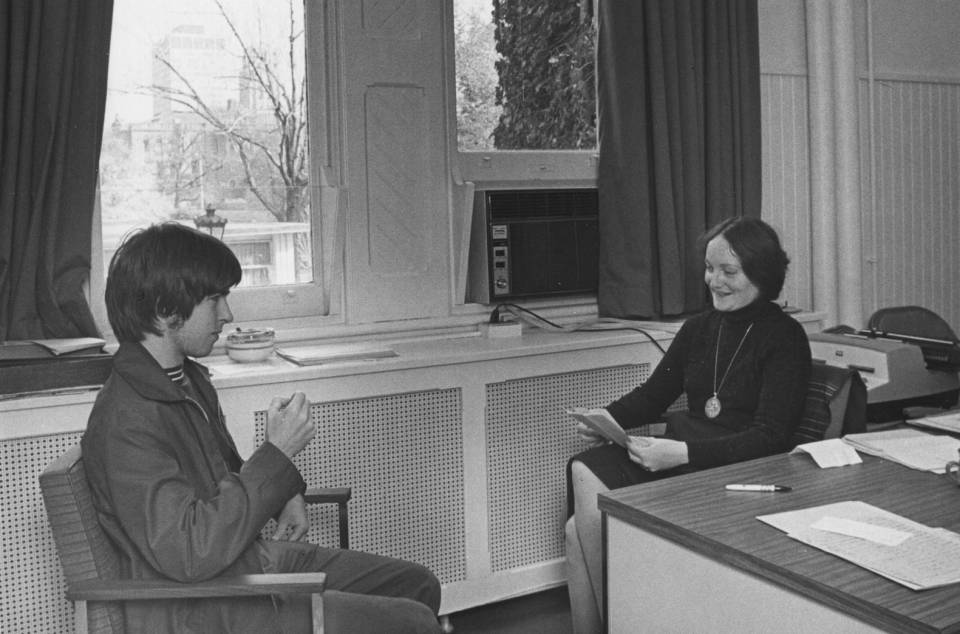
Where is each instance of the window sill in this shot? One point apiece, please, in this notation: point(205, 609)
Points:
point(432, 346)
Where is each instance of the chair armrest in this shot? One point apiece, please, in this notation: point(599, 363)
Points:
point(242, 585)
point(320, 495)
point(340, 497)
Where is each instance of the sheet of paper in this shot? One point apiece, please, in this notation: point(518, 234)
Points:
point(910, 447)
point(829, 453)
point(863, 530)
point(949, 421)
point(328, 353)
point(601, 422)
point(64, 346)
point(799, 519)
point(928, 558)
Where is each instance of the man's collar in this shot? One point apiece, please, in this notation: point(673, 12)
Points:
point(138, 367)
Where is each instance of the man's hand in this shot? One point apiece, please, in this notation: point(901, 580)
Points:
point(289, 425)
point(293, 518)
point(657, 454)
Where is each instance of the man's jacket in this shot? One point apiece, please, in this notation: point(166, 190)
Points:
point(175, 497)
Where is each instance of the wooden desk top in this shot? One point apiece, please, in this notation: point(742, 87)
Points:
point(695, 511)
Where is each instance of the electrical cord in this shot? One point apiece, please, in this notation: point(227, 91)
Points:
point(604, 323)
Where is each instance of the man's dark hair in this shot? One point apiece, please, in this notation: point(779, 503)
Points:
point(164, 271)
point(757, 245)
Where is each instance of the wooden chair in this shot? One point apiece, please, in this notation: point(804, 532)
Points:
point(91, 565)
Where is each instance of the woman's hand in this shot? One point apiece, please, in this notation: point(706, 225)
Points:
point(657, 454)
point(592, 438)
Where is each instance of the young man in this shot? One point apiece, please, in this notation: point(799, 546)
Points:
point(172, 492)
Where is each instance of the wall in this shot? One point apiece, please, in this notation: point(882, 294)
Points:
point(908, 117)
point(910, 129)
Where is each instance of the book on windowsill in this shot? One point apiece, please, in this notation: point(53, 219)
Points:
point(30, 367)
point(68, 346)
point(16, 352)
point(334, 352)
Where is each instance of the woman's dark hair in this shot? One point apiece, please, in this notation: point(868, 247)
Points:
point(757, 245)
point(164, 271)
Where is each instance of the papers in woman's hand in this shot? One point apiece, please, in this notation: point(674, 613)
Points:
point(602, 422)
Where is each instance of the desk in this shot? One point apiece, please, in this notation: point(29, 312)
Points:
point(691, 556)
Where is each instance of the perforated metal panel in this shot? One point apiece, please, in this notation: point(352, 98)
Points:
point(529, 439)
point(402, 455)
point(31, 578)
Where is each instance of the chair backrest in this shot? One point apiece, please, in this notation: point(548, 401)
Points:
point(914, 321)
point(836, 404)
point(85, 551)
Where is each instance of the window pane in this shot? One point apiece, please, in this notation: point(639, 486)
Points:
point(207, 125)
point(525, 74)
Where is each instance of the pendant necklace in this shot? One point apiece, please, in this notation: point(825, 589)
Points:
point(712, 407)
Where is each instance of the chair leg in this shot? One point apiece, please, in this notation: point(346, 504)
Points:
point(316, 603)
point(344, 526)
point(80, 624)
point(445, 625)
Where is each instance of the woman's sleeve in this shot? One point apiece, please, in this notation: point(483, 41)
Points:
point(784, 372)
point(647, 402)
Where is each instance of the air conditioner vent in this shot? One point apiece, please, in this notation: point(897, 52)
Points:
point(527, 243)
point(519, 204)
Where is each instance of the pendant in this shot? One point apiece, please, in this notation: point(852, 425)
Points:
point(712, 407)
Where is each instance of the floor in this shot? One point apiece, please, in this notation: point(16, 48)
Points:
point(546, 612)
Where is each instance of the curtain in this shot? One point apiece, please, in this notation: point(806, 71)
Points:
point(53, 79)
point(678, 104)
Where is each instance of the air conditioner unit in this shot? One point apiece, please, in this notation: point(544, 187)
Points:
point(527, 243)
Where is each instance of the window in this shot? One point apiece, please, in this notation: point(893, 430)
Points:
point(525, 81)
point(207, 124)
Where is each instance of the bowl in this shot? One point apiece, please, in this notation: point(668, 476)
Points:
point(249, 345)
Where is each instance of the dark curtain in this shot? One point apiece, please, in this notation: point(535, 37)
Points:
point(679, 135)
point(53, 85)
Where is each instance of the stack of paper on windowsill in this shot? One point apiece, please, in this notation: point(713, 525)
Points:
point(910, 553)
point(67, 346)
point(910, 447)
point(328, 353)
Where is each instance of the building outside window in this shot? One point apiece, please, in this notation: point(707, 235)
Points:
point(207, 118)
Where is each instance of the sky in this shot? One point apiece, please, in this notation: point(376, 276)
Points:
point(137, 26)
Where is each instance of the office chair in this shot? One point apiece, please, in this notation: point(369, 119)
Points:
point(835, 405)
point(91, 565)
point(913, 321)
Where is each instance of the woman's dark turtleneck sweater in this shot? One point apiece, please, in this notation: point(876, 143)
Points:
point(761, 399)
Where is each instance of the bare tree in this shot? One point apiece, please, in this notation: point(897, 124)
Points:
point(272, 151)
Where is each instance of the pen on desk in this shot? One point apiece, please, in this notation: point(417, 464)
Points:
point(758, 487)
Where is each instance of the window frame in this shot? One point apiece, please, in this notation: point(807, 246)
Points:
point(511, 168)
point(291, 305)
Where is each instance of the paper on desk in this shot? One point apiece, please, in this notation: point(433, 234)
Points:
point(929, 558)
point(830, 453)
point(910, 447)
point(863, 530)
point(949, 421)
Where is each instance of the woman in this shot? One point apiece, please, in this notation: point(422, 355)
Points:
point(744, 366)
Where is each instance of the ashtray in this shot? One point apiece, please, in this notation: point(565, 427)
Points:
point(248, 345)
